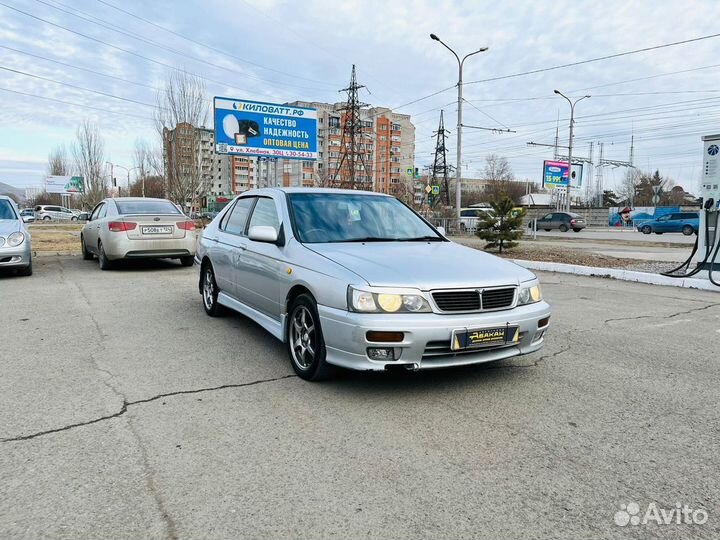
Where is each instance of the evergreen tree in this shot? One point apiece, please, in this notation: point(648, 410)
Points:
point(501, 226)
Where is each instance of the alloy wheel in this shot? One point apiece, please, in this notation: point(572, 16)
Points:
point(303, 337)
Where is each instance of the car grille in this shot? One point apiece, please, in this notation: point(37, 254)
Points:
point(474, 300)
point(457, 300)
point(498, 298)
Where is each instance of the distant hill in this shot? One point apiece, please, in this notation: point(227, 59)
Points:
point(7, 188)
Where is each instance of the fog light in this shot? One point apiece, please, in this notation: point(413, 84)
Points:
point(538, 335)
point(384, 337)
point(542, 323)
point(379, 354)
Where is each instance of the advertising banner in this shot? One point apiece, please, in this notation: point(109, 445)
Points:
point(254, 128)
point(555, 173)
point(65, 185)
point(624, 216)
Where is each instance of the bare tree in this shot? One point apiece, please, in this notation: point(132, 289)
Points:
point(58, 163)
point(627, 190)
point(182, 108)
point(149, 163)
point(89, 153)
point(500, 179)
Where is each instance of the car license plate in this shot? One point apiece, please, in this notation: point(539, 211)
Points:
point(470, 338)
point(157, 229)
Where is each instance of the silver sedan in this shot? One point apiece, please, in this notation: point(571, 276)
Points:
point(359, 280)
point(15, 248)
point(138, 228)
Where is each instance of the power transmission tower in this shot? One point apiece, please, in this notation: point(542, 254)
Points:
point(352, 146)
point(439, 169)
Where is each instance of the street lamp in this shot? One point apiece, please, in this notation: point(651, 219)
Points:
point(458, 188)
point(570, 141)
point(112, 170)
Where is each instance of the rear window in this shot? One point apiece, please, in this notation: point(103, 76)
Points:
point(689, 215)
point(146, 207)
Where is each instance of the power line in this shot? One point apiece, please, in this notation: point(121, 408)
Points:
point(79, 67)
point(104, 110)
point(129, 100)
point(191, 40)
point(133, 35)
point(598, 59)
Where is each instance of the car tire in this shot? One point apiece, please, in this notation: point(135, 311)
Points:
point(27, 271)
point(547, 230)
point(577, 230)
point(103, 262)
point(687, 230)
point(656, 232)
point(209, 291)
point(462, 227)
point(47, 218)
point(305, 342)
point(187, 261)
point(86, 255)
point(74, 218)
point(563, 228)
point(646, 229)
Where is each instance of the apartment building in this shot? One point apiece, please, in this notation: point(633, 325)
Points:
point(387, 146)
point(221, 176)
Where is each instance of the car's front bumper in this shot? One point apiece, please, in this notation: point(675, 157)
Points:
point(16, 257)
point(427, 337)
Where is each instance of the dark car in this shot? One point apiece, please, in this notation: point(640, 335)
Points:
point(562, 221)
point(684, 222)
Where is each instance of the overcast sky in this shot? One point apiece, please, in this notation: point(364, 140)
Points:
point(284, 51)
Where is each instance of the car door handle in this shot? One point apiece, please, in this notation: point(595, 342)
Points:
point(242, 246)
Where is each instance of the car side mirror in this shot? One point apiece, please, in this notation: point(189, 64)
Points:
point(441, 230)
point(263, 233)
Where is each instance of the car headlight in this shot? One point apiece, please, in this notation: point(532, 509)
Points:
point(529, 294)
point(15, 239)
point(387, 301)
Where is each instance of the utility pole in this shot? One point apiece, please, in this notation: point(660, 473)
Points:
point(440, 167)
point(351, 143)
point(458, 165)
point(570, 143)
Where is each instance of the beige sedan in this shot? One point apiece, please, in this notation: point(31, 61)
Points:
point(138, 228)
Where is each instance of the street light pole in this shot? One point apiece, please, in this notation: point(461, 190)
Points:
point(128, 178)
point(458, 169)
point(570, 144)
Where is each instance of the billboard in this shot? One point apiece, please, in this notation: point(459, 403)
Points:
point(254, 128)
point(555, 173)
point(65, 185)
point(624, 216)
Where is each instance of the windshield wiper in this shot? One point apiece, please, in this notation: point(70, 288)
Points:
point(368, 239)
point(421, 239)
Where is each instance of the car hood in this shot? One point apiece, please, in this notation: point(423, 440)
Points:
point(9, 226)
point(423, 265)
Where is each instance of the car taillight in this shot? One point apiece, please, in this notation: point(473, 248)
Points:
point(121, 226)
point(186, 225)
point(572, 222)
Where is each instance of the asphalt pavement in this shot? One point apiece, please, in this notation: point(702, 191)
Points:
point(126, 412)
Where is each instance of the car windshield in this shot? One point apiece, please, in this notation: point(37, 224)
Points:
point(146, 207)
point(342, 217)
point(6, 210)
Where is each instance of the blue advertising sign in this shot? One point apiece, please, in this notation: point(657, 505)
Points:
point(555, 174)
point(254, 128)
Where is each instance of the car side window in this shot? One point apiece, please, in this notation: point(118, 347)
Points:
point(96, 211)
point(547, 217)
point(103, 211)
point(265, 214)
point(237, 219)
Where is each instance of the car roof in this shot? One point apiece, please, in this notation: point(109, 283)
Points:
point(290, 190)
point(134, 199)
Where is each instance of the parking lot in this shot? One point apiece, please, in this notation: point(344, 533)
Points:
point(126, 412)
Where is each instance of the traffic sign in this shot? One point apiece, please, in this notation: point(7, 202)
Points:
point(428, 189)
point(409, 172)
point(656, 199)
point(436, 190)
point(656, 189)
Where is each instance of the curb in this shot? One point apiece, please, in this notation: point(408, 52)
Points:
point(619, 274)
